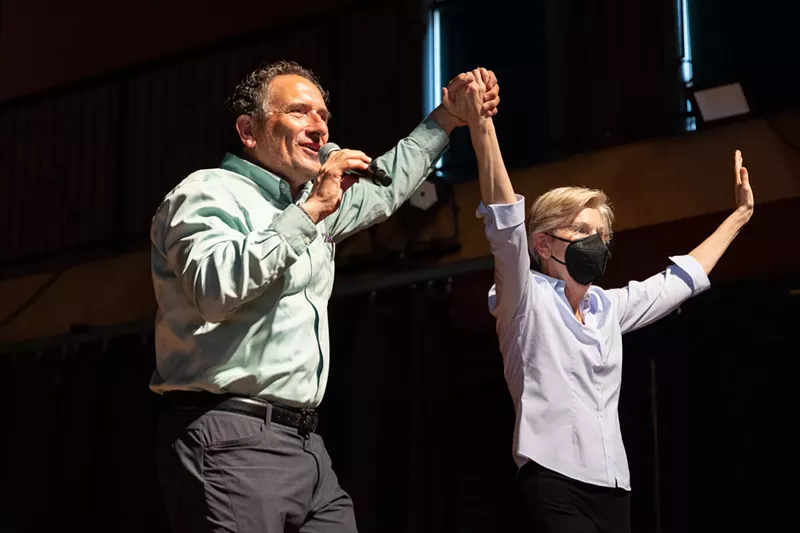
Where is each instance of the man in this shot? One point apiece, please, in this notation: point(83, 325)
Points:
point(242, 263)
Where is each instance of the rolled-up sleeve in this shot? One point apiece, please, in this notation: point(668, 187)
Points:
point(692, 273)
point(643, 302)
point(505, 230)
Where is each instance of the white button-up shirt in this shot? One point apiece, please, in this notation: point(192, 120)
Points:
point(565, 376)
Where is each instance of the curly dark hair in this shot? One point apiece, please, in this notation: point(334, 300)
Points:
point(251, 94)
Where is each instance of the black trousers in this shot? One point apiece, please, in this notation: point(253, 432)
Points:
point(229, 472)
point(555, 503)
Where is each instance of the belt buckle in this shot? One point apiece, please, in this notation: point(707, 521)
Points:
point(308, 422)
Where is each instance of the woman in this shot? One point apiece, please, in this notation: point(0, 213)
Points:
point(561, 336)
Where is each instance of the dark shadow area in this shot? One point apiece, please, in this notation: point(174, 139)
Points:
point(419, 423)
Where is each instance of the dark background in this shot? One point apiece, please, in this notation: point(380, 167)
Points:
point(576, 76)
point(419, 423)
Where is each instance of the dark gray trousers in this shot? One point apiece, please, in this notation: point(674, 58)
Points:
point(229, 472)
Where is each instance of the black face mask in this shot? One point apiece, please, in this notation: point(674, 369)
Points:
point(585, 258)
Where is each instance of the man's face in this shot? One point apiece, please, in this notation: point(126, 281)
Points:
point(294, 129)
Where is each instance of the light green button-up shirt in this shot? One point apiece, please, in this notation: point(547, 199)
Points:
point(242, 276)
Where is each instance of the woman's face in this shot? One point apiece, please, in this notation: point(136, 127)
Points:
point(588, 222)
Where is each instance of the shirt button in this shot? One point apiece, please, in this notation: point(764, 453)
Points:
point(307, 239)
point(600, 415)
point(598, 388)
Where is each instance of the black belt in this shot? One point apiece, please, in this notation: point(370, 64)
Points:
point(304, 420)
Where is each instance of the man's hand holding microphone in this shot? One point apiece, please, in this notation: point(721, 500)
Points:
point(333, 181)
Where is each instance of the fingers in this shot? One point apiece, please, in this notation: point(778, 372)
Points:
point(448, 101)
point(451, 94)
point(492, 99)
point(492, 88)
point(354, 154)
point(332, 181)
point(353, 164)
point(479, 86)
point(490, 107)
point(454, 87)
point(744, 178)
point(479, 81)
point(737, 166)
point(343, 160)
point(744, 192)
point(464, 76)
point(461, 80)
point(483, 77)
point(351, 157)
point(473, 96)
point(488, 77)
point(492, 93)
point(474, 88)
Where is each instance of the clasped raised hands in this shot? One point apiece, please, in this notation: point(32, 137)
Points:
point(472, 97)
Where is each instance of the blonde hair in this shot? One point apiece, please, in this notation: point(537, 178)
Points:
point(559, 207)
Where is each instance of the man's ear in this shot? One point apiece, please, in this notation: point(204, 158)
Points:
point(245, 127)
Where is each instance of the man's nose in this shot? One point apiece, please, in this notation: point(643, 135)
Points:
point(317, 126)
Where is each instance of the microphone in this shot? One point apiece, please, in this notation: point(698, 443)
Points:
point(377, 175)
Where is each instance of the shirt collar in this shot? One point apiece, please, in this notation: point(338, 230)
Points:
point(275, 186)
point(554, 282)
point(559, 285)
